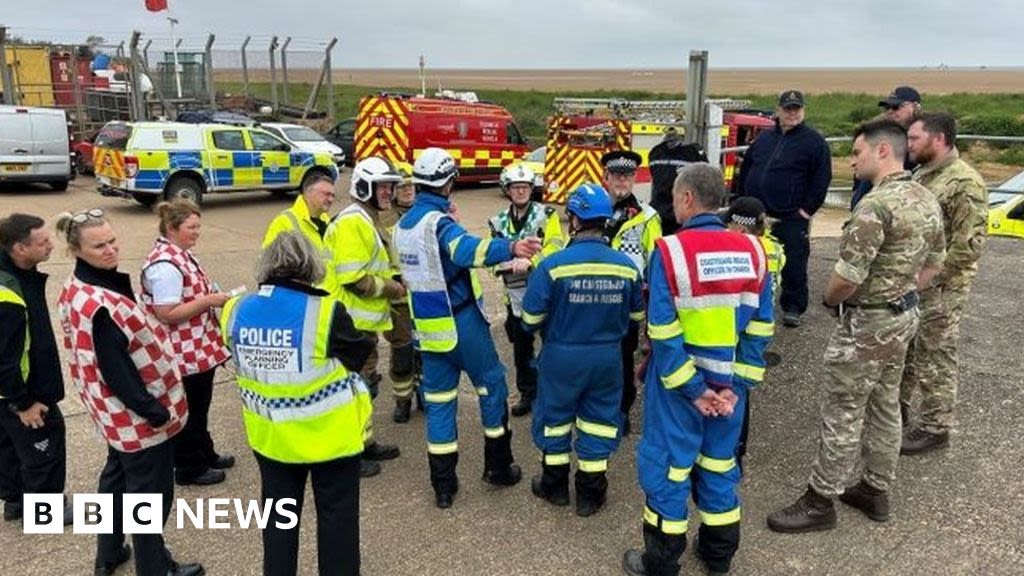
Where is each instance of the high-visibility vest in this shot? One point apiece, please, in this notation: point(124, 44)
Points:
point(540, 221)
point(713, 275)
point(11, 296)
point(419, 257)
point(637, 236)
point(298, 404)
point(197, 341)
point(357, 250)
point(151, 353)
point(298, 219)
point(774, 257)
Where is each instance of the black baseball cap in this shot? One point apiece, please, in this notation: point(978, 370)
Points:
point(900, 95)
point(621, 161)
point(791, 98)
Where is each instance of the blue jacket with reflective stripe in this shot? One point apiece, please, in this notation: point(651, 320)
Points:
point(669, 355)
point(460, 250)
point(584, 294)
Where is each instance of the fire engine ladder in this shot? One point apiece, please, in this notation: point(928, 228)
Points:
point(632, 109)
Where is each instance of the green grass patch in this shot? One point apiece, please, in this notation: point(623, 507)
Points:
point(834, 114)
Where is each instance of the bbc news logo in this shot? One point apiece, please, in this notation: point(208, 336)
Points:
point(142, 513)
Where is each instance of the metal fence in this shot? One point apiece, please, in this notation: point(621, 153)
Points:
point(151, 78)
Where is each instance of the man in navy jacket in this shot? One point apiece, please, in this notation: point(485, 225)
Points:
point(789, 170)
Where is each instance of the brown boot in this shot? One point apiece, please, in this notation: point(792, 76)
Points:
point(918, 441)
point(810, 513)
point(870, 500)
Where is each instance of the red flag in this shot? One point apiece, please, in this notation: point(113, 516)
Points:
point(156, 5)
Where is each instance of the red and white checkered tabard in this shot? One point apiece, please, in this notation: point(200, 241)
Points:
point(150, 351)
point(197, 342)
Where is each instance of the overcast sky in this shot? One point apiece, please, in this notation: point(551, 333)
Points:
point(567, 33)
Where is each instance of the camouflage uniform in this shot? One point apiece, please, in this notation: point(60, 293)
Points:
point(933, 360)
point(894, 231)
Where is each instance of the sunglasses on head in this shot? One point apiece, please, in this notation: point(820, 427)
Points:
point(83, 216)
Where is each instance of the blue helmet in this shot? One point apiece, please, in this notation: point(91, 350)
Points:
point(588, 202)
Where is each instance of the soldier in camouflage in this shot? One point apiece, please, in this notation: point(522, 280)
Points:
point(932, 361)
point(891, 245)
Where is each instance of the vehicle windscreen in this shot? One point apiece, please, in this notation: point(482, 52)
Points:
point(537, 155)
point(114, 136)
point(302, 134)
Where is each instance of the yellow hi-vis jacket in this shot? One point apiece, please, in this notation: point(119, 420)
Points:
point(356, 250)
point(10, 296)
point(299, 405)
point(298, 219)
point(638, 235)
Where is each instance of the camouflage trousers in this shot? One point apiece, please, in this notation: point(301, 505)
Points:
point(860, 398)
point(403, 361)
point(933, 359)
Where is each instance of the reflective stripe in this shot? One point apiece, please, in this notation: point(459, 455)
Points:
point(350, 267)
point(555, 459)
point(10, 296)
point(757, 328)
point(637, 316)
point(664, 331)
point(481, 391)
point(720, 366)
point(749, 372)
point(441, 397)
point(480, 256)
point(681, 376)
point(593, 465)
point(368, 315)
point(595, 429)
point(497, 432)
point(674, 527)
point(571, 270)
point(719, 465)
point(320, 402)
point(445, 448)
point(720, 518)
point(555, 431)
point(533, 318)
point(678, 474)
point(709, 327)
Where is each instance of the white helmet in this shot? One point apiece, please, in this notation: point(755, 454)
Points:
point(515, 173)
point(367, 173)
point(434, 168)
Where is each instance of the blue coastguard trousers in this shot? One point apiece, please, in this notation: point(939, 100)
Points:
point(581, 387)
point(474, 354)
point(705, 456)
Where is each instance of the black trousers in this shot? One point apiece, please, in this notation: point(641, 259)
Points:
point(149, 471)
point(522, 352)
point(629, 345)
point(193, 446)
point(796, 244)
point(336, 497)
point(31, 460)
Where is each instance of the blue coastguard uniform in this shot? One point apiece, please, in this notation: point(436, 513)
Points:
point(436, 256)
point(582, 299)
point(710, 319)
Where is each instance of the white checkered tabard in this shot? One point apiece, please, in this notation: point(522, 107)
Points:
point(150, 351)
point(197, 342)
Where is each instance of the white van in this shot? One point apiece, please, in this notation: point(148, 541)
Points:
point(35, 146)
point(305, 138)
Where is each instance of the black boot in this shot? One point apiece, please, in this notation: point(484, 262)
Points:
point(108, 568)
point(186, 569)
point(403, 409)
point(591, 491)
point(443, 477)
point(870, 500)
point(918, 441)
point(13, 510)
point(368, 468)
point(660, 556)
point(810, 513)
point(377, 451)
point(207, 477)
point(498, 467)
point(523, 407)
point(716, 545)
point(552, 484)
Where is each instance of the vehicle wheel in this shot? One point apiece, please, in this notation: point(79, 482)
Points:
point(145, 199)
point(183, 187)
point(60, 185)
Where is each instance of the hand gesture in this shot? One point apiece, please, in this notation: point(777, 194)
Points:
point(521, 265)
point(453, 211)
point(527, 247)
point(34, 415)
point(728, 400)
point(708, 403)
